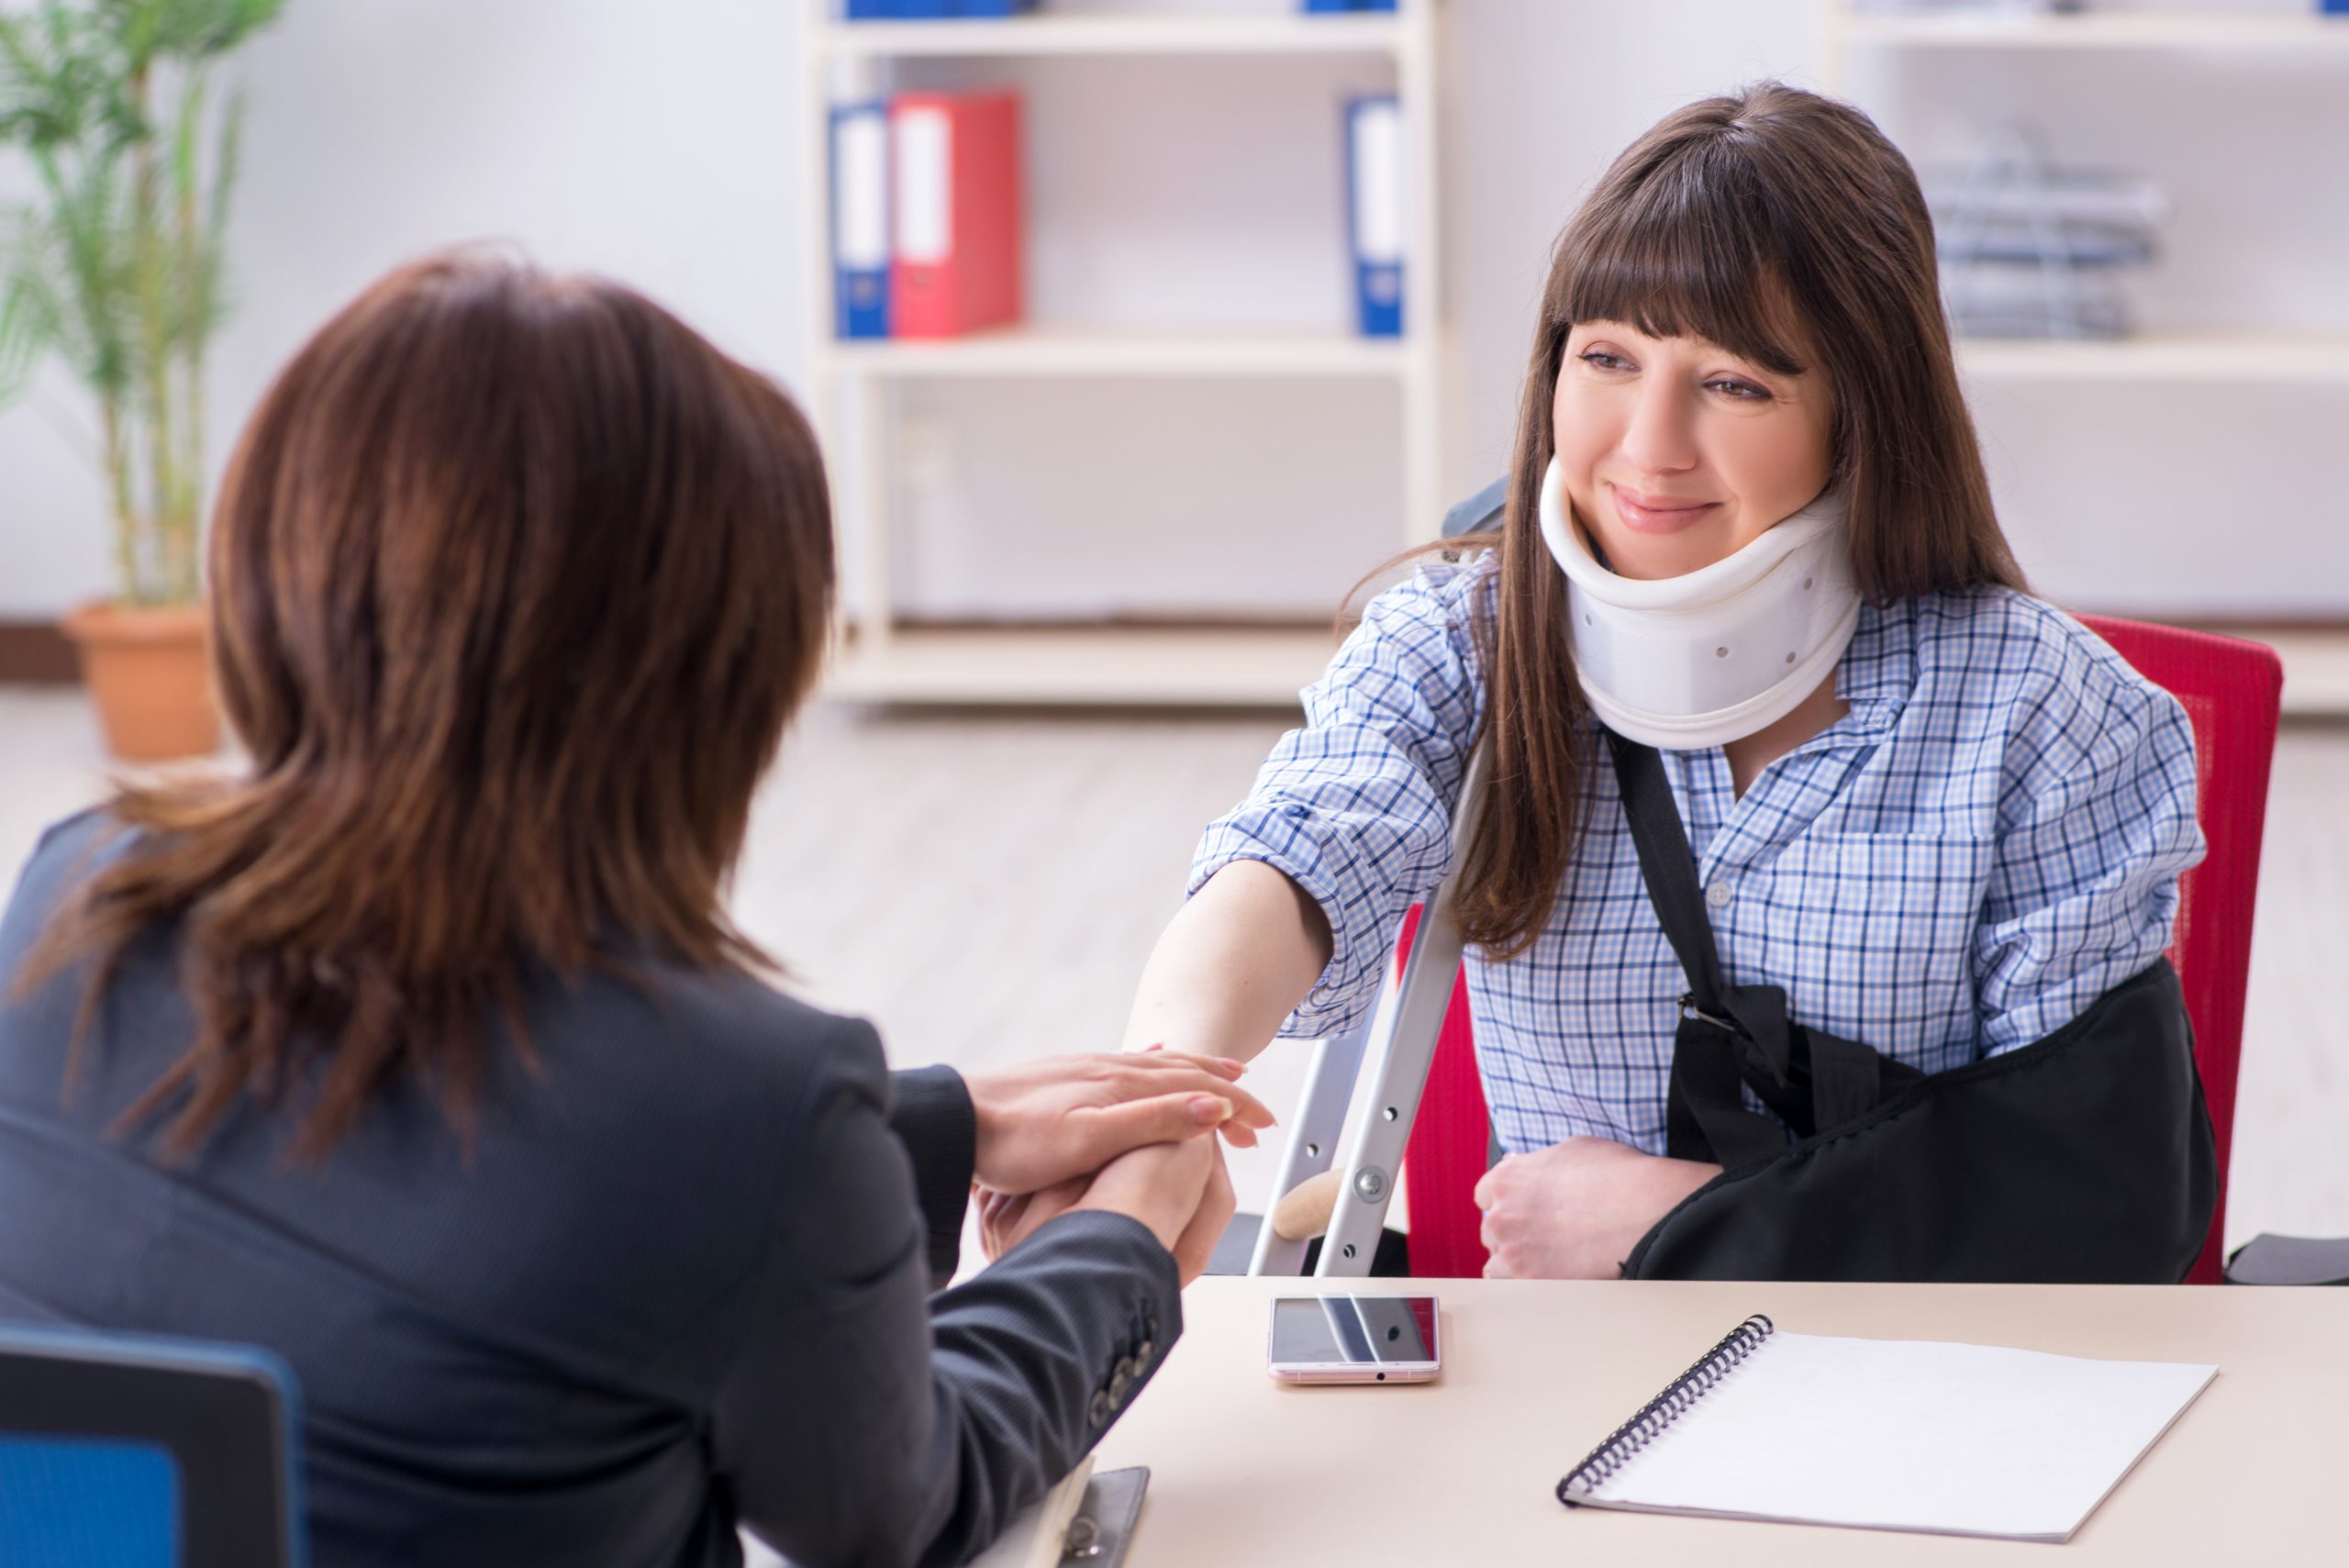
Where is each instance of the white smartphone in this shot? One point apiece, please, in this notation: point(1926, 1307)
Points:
point(1355, 1339)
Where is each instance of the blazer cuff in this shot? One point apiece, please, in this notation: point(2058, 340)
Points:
point(930, 1112)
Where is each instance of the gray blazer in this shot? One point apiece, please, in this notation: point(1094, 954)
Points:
point(680, 1280)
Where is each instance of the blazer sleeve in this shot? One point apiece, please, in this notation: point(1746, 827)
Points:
point(930, 1112)
point(865, 1421)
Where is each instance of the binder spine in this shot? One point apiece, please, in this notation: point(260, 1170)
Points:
point(955, 162)
point(1663, 1410)
point(1375, 212)
point(861, 220)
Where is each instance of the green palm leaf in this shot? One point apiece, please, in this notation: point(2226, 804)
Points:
point(117, 269)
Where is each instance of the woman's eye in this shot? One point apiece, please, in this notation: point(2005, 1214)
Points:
point(1741, 391)
point(1596, 355)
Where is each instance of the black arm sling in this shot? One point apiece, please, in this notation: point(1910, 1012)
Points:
point(2083, 1157)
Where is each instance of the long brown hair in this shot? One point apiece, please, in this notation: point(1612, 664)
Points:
point(515, 582)
point(1734, 219)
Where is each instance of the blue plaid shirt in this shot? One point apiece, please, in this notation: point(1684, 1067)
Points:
point(1991, 839)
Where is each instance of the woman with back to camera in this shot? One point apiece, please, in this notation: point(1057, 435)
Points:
point(1749, 575)
point(423, 1052)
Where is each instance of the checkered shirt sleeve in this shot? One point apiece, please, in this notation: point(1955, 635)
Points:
point(1356, 806)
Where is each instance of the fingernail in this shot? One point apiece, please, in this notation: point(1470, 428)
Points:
point(1235, 1066)
point(1208, 1111)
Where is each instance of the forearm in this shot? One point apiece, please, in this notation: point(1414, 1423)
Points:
point(1234, 961)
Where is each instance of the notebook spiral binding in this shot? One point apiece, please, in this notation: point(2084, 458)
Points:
point(1663, 1409)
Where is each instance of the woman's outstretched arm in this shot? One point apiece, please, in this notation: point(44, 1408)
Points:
point(1234, 961)
point(1295, 892)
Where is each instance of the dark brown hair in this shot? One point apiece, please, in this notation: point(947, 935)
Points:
point(515, 582)
point(1764, 221)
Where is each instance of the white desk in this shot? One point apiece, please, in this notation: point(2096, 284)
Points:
point(1462, 1471)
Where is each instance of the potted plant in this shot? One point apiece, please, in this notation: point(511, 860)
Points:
point(114, 267)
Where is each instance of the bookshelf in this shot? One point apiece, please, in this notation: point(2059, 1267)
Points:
point(2172, 355)
point(854, 388)
point(2192, 362)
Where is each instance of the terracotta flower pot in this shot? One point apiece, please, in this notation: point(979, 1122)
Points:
point(147, 669)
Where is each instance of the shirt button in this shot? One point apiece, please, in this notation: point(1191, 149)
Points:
point(1100, 1408)
point(1719, 894)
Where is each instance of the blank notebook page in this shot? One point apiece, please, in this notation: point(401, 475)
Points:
point(1903, 1434)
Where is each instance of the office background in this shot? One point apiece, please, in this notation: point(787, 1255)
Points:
point(1004, 908)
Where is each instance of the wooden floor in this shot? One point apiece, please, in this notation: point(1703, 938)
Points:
point(985, 887)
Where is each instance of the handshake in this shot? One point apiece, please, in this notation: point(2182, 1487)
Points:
point(1133, 1134)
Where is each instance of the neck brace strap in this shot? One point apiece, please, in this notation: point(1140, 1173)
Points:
point(1719, 653)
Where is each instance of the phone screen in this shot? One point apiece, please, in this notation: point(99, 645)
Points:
point(1360, 1330)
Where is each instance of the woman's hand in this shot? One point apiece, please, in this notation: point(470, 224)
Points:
point(1575, 1209)
point(1180, 1191)
point(1006, 1220)
point(1060, 1118)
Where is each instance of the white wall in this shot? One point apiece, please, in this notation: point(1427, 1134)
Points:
point(656, 143)
point(650, 141)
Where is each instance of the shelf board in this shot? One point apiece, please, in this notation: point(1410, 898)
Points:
point(1083, 667)
point(1296, 33)
point(2160, 357)
point(1051, 351)
point(1265, 668)
point(2100, 29)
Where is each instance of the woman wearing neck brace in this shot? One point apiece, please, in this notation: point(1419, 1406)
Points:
point(1747, 524)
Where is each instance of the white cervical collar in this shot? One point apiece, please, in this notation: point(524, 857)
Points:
point(1713, 656)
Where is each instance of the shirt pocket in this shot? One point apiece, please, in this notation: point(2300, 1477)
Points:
point(1873, 935)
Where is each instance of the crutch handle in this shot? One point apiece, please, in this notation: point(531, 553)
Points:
point(1304, 1210)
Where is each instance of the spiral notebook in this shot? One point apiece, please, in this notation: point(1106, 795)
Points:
point(1888, 1434)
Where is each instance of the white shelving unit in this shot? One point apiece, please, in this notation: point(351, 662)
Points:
point(2161, 356)
point(881, 660)
point(2316, 660)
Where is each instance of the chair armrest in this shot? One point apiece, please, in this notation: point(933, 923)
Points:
point(2290, 1259)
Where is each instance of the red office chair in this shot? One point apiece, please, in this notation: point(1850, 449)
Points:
point(2229, 690)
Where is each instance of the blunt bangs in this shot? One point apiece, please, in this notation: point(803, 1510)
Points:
point(1691, 252)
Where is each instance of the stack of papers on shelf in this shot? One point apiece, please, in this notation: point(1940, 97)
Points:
point(2031, 249)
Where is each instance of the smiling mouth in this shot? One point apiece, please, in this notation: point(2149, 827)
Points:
point(1662, 517)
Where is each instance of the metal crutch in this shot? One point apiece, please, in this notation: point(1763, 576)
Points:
point(1399, 1043)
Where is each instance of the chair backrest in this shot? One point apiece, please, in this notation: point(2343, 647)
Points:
point(121, 1451)
point(2231, 690)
